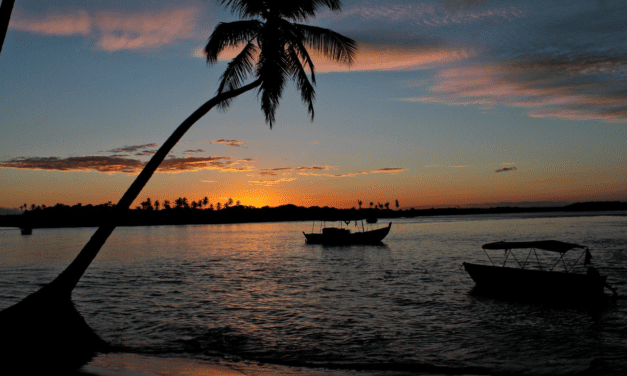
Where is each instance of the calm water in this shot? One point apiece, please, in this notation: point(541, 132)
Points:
point(256, 297)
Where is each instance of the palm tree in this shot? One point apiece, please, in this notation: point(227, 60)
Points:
point(274, 50)
point(5, 16)
point(396, 203)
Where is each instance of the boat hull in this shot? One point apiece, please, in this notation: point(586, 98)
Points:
point(347, 238)
point(535, 283)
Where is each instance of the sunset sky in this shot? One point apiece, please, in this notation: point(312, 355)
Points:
point(449, 103)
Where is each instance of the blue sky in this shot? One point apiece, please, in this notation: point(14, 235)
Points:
point(449, 103)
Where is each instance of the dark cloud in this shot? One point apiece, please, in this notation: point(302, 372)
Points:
point(118, 164)
point(146, 153)
point(506, 169)
point(86, 163)
point(132, 149)
point(187, 164)
point(193, 151)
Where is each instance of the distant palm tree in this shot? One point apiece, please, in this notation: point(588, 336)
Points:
point(396, 203)
point(218, 206)
point(387, 205)
point(371, 204)
point(274, 51)
point(205, 201)
point(359, 202)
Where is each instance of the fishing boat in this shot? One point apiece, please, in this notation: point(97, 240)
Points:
point(26, 230)
point(536, 274)
point(344, 236)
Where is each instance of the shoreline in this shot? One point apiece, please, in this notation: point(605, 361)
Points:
point(96, 216)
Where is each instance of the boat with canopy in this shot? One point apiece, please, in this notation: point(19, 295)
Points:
point(541, 274)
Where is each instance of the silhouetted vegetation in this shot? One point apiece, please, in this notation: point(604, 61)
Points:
point(204, 212)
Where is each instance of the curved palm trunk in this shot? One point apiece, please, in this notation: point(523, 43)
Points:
point(5, 16)
point(45, 325)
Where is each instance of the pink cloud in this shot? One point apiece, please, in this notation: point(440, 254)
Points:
point(146, 30)
point(379, 58)
point(76, 23)
point(231, 143)
point(114, 30)
point(547, 88)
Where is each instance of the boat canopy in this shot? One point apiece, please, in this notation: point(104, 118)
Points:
point(547, 245)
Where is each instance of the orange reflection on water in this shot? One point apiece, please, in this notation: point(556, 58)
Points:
point(125, 364)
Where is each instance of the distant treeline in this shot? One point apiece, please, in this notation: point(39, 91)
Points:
point(95, 215)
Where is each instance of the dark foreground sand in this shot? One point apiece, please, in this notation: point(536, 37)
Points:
point(119, 364)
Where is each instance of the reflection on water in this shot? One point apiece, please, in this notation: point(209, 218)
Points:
point(257, 293)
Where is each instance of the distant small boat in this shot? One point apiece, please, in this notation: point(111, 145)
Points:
point(538, 281)
point(341, 236)
point(26, 230)
point(371, 220)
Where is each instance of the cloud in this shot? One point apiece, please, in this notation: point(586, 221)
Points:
point(380, 57)
point(114, 31)
point(429, 14)
point(193, 151)
point(270, 183)
point(231, 143)
point(108, 164)
point(86, 163)
point(581, 87)
point(145, 153)
point(506, 169)
point(57, 24)
point(132, 149)
point(187, 164)
point(352, 174)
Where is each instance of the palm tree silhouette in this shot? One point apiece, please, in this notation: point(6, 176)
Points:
point(46, 322)
point(6, 8)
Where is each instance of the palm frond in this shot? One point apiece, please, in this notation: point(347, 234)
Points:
point(295, 40)
point(236, 72)
point(296, 10)
point(333, 45)
point(307, 92)
point(230, 34)
point(273, 70)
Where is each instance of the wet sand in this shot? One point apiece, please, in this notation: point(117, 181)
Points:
point(119, 364)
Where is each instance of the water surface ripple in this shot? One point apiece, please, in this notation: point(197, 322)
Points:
point(257, 293)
